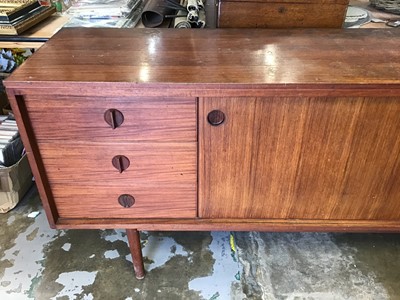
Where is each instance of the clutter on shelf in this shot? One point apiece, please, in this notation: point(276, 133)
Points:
point(7, 61)
point(392, 6)
point(11, 58)
point(104, 13)
point(11, 147)
point(16, 16)
point(128, 13)
point(360, 13)
point(184, 13)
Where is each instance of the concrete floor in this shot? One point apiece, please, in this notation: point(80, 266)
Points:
point(40, 263)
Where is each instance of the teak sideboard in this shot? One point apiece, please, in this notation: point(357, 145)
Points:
point(227, 129)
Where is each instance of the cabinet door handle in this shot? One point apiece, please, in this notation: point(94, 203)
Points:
point(216, 117)
point(113, 117)
point(126, 200)
point(121, 163)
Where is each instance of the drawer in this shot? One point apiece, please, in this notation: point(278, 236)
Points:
point(85, 118)
point(282, 13)
point(85, 183)
point(161, 164)
point(102, 201)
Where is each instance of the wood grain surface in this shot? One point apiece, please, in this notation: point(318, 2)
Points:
point(300, 158)
point(82, 118)
point(281, 14)
point(217, 58)
point(33, 154)
point(199, 224)
point(160, 164)
point(177, 201)
point(309, 141)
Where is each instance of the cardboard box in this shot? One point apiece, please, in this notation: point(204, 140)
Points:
point(15, 181)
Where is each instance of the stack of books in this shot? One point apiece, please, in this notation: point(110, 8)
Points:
point(11, 146)
point(17, 16)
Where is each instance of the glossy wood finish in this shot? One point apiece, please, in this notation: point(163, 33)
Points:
point(282, 14)
point(81, 202)
point(160, 164)
point(303, 134)
point(212, 62)
point(136, 251)
point(82, 119)
point(339, 89)
point(300, 158)
point(162, 177)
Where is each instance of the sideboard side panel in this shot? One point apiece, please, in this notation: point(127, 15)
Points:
point(35, 161)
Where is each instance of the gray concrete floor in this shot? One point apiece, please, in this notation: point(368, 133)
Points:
point(37, 262)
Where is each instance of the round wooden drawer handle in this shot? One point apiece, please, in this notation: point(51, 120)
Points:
point(114, 118)
point(216, 117)
point(120, 162)
point(126, 200)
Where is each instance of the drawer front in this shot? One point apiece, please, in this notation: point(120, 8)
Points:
point(103, 202)
point(90, 119)
point(161, 164)
point(87, 183)
point(280, 15)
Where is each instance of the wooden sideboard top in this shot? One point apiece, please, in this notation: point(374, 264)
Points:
point(217, 56)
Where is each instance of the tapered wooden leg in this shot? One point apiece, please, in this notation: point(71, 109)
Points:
point(136, 252)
